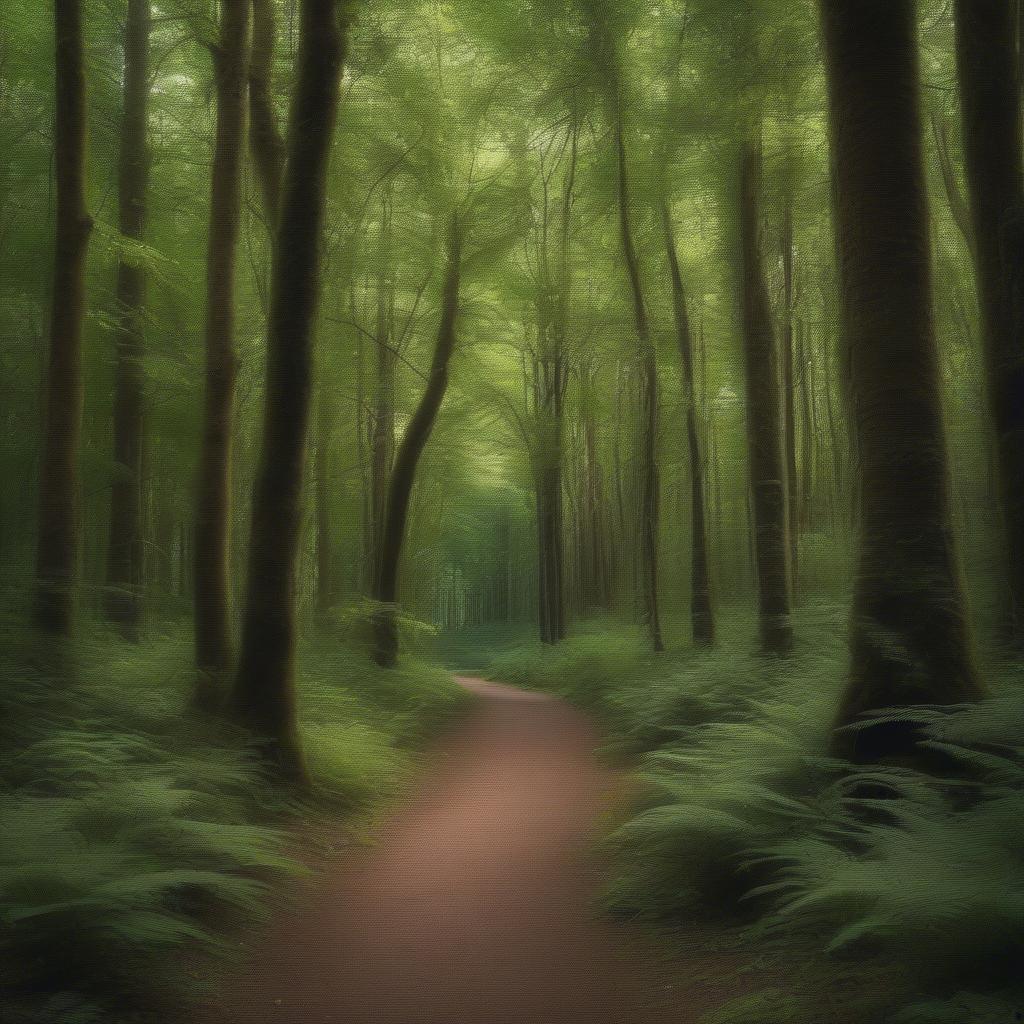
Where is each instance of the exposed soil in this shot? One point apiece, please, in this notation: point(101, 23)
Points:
point(475, 904)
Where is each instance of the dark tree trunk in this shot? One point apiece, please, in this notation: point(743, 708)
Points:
point(806, 428)
point(403, 475)
point(764, 424)
point(123, 598)
point(57, 550)
point(788, 395)
point(991, 104)
point(702, 614)
point(265, 140)
point(382, 424)
point(213, 502)
point(647, 454)
point(594, 567)
point(911, 641)
point(264, 689)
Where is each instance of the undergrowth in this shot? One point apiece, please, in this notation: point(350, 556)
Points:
point(741, 813)
point(134, 831)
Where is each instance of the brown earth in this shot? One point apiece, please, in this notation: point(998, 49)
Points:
point(475, 904)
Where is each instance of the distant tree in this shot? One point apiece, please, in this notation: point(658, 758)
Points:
point(764, 421)
point(910, 636)
point(213, 500)
point(702, 614)
point(647, 452)
point(550, 377)
point(57, 550)
point(407, 458)
point(123, 598)
point(263, 696)
point(990, 100)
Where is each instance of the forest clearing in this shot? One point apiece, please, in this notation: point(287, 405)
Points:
point(512, 511)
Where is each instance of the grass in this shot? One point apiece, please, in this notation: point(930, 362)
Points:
point(742, 816)
point(134, 831)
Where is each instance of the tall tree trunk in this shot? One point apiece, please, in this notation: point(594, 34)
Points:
point(213, 504)
point(764, 423)
point(382, 424)
point(788, 396)
point(595, 571)
point(911, 640)
point(57, 551)
point(806, 428)
point(702, 614)
point(123, 598)
point(264, 690)
point(990, 100)
point(265, 142)
point(647, 454)
point(403, 475)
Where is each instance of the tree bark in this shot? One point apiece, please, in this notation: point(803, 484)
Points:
point(403, 475)
point(990, 101)
point(702, 616)
point(58, 541)
point(910, 636)
point(265, 142)
point(788, 396)
point(647, 454)
point(263, 697)
point(382, 424)
point(123, 597)
point(213, 504)
point(764, 442)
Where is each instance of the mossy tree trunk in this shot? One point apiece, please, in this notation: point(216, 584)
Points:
point(910, 635)
point(57, 551)
point(263, 696)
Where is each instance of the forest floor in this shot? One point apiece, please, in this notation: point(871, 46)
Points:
point(476, 902)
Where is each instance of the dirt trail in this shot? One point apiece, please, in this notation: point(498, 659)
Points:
point(475, 903)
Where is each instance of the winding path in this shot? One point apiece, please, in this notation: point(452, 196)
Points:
point(475, 904)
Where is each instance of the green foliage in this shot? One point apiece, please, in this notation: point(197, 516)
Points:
point(132, 832)
point(597, 656)
point(741, 812)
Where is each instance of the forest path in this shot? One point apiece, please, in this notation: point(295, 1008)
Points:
point(475, 904)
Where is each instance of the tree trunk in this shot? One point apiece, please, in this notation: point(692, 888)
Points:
point(58, 539)
point(702, 615)
point(806, 428)
point(767, 471)
point(911, 640)
point(788, 396)
point(123, 597)
point(403, 474)
point(647, 454)
point(213, 505)
point(265, 140)
point(991, 106)
point(382, 424)
point(264, 690)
